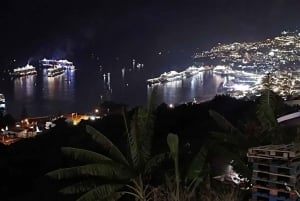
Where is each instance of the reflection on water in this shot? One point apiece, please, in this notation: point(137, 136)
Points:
point(202, 86)
point(41, 94)
point(60, 87)
point(24, 87)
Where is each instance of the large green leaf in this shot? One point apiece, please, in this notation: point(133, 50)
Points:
point(197, 166)
point(221, 121)
point(102, 193)
point(105, 169)
point(230, 139)
point(232, 136)
point(83, 155)
point(113, 152)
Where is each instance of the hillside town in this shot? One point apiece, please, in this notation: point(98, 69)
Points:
point(245, 64)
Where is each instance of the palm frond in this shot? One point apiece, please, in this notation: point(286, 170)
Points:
point(139, 191)
point(149, 125)
point(102, 193)
point(193, 185)
point(105, 169)
point(173, 142)
point(153, 100)
point(80, 187)
point(265, 113)
point(135, 191)
point(134, 143)
point(113, 152)
point(154, 162)
point(146, 129)
point(140, 136)
point(83, 155)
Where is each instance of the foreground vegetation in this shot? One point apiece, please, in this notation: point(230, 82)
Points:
point(155, 153)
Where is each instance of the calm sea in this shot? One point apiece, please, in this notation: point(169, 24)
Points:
point(86, 87)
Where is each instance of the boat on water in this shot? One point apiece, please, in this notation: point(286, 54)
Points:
point(50, 63)
point(165, 77)
point(55, 71)
point(24, 71)
point(223, 70)
point(174, 75)
point(153, 81)
point(170, 76)
point(193, 70)
point(2, 102)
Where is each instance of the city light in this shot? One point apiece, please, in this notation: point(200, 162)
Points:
point(171, 105)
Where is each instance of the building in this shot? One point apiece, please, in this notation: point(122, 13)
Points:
point(292, 119)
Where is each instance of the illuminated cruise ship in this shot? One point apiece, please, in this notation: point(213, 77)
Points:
point(174, 75)
point(166, 77)
point(24, 71)
point(2, 103)
point(223, 70)
point(48, 63)
point(55, 71)
point(193, 70)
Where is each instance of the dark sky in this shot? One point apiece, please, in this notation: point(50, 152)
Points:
point(44, 28)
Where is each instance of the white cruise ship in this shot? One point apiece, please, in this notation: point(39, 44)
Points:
point(2, 102)
point(165, 77)
point(223, 70)
point(55, 71)
point(50, 63)
point(174, 75)
point(24, 71)
point(193, 70)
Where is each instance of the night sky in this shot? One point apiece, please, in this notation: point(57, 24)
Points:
point(43, 28)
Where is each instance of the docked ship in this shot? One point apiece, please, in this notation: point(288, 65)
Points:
point(24, 71)
point(170, 76)
point(2, 103)
point(51, 63)
point(55, 71)
point(223, 70)
point(193, 70)
point(174, 75)
point(165, 77)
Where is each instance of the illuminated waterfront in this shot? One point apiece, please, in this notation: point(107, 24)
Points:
point(202, 86)
point(236, 69)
